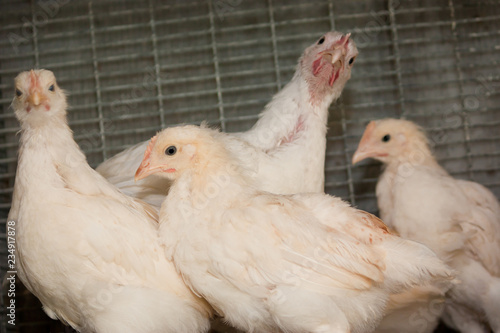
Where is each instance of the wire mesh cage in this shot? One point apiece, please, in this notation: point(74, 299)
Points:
point(134, 67)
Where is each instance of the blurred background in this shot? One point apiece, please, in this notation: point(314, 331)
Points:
point(133, 67)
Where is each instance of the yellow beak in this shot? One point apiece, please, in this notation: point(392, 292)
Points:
point(359, 156)
point(364, 150)
point(145, 169)
point(36, 98)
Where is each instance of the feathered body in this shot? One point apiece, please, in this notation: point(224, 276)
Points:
point(458, 219)
point(87, 251)
point(298, 263)
point(416, 310)
point(285, 150)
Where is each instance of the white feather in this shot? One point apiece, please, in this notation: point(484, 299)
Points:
point(88, 252)
point(459, 220)
point(298, 263)
point(285, 150)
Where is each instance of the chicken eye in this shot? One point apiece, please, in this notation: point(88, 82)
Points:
point(51, 88)
point(351, 61)
point(170, 151)
point(18, 93)
point(321, 40)
point(386, 138)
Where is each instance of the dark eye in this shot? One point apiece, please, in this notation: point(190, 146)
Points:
point(170, 151)
point(321, 41)
point(18, 93)
point(51, 88)
point(351, 61)
point(386, 138)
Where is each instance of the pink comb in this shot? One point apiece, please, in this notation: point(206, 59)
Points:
point(343, 40)
point(149, 149)
point(368, 133)
point(34, 83)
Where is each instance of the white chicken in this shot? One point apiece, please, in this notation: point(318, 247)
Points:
point(458, 219)
point(285, 150)
point(297, 263)
point(88, 252)
point(416, 310)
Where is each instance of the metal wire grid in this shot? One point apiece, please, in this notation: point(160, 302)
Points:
point(133, 67)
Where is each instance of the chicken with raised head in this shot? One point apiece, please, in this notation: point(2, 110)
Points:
point(458, 219)
point(266, 262)
point(285, 150)
point(87, 251)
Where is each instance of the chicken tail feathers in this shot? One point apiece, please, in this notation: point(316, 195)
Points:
point(413, 264)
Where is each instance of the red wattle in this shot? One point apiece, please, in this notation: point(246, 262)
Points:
point(317, 65)
point(333, 77)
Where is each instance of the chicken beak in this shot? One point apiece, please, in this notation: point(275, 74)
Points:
point(364, 148)
point(145, 170)
point(360, 155)
point(336, 55)
point(338, 51)
point(36, 98)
